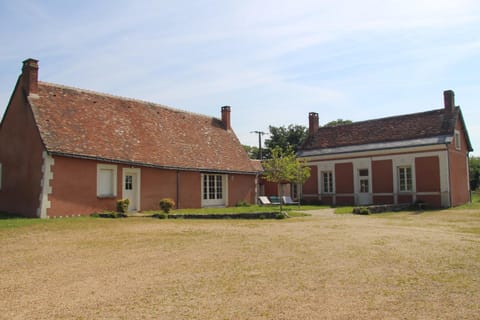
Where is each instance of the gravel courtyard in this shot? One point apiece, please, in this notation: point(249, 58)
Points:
point(325, 266)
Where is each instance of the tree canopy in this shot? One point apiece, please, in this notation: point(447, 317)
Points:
point(474, 164)
point(337, 122)
point(286, 137)
point(253, 152)
point(284, 167)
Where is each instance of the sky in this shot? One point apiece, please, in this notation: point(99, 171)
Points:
point(273, 62)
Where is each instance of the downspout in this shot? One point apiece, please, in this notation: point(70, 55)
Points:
point(257, 188)
point(468, 177)
point(449, 177)
point(178, 189)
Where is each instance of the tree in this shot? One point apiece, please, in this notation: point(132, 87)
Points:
point(253, 152)
point(286, 137)
point(338, 122)
point(284, 167)
point(474, 164)
point(300, 174)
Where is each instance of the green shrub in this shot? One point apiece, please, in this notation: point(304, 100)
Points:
point(122, 205)
point(166, 204)
point(361, 210)
point(161, 215)
point(242, 203)
point(280, 216)
point(108, 214)
point(364, 211)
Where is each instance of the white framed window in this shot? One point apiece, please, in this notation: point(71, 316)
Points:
point(364, 180)
point(106, 180)
point(327, 181)
point(212, 186)
point(128, 182)
point(405, 179)
point(458, 143)
point(214, 189)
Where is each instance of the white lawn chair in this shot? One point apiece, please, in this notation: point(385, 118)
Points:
point(288, 201)
point(263, 200)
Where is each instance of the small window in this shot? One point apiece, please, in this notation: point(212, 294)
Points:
point(128, 182)
point(405, 179)
point(363, 172)
point(327, 181)
point(106, 180)
point(458, 143)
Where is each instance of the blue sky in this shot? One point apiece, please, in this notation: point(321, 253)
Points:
point(272, 61)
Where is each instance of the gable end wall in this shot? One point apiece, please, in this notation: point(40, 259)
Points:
point(459, 173)
point(21, 152)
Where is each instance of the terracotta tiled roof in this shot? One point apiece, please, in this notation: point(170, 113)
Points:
point(257, 164)
point(86, 124)
point(435, 123)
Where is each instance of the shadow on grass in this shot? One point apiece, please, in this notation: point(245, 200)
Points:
point(12, 221)
point(10, 216)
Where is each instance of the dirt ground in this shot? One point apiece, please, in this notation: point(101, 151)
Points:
point(326, 266)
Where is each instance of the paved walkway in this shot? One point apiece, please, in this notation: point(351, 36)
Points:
point(321, 212)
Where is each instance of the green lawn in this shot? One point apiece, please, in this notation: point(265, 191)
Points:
point(8, 221)
point(243, 209)
point(12, 221)
point(475, 204)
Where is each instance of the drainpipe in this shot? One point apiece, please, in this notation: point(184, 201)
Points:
point(178, 189)
point(468, 177)
point(449, 178)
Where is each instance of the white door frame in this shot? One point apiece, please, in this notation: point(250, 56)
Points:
point(364, 198)
point(134, 203)
point(223, 202)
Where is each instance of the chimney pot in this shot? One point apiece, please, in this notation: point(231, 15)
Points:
point(312, 123)
point(30, 76)
point(449, 100)
point(226, 117)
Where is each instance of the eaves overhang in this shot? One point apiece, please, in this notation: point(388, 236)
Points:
point(439, 140)
point(149, 165)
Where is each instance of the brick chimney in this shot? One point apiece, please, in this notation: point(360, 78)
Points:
point(312, 123)
point(30, 76)
point(226, 117)
point(449, 100)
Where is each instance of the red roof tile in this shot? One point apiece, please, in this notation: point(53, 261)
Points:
point(86, 124)
point(415, 126)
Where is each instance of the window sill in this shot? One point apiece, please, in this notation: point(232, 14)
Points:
point(107, 197)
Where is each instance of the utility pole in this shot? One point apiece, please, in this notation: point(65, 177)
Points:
point(260, 134)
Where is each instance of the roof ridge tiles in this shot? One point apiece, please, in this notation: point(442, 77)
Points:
point(387, 118)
